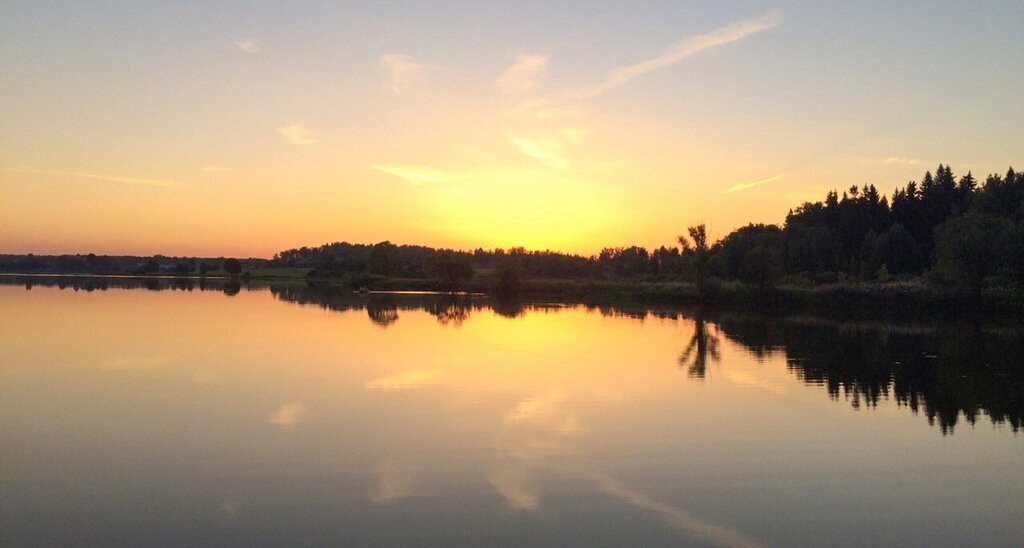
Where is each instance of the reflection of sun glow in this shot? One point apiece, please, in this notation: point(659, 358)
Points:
point(537, 391)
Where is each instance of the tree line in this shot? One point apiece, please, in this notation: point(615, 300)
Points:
point(127, 265)
point(953, 231)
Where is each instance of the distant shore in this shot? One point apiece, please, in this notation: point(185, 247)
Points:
point(847, 299)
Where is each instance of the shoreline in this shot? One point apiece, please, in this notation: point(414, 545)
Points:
point(841, 300)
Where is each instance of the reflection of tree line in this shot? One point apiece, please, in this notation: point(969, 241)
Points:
point(103, 283)
point(946, 373)
point(383, 308)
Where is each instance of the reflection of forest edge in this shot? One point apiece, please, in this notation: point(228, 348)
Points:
point(947, 371)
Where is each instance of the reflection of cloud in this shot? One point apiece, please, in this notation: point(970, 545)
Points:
point(298, 135)
point(206, 377)
point(571, 426)
point(230, 508)
point(746, 379)
point(416, 175)
point(514, 484)
point(288, 415)
point(83, 175)
point(403, 73)
point(524, 74)
point(135, 362)
point(410, 380)
point(540, 427)
point(693, 527)
point(248, 45)
point(686, 48)
point(394, 482)
point(531, 409)
point(535, 431)
point(751, 184)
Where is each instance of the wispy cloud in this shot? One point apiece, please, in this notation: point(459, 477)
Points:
point(686, 48)
point(897, 160)
point(524, 75)
point(298, 135)
point(95, 176)
point(288, 415)
point(248, 45)
point(417, 175)
point(216, 169)
point(751, 184)
point(403, 72)
point(544, 109)
point(545, 150)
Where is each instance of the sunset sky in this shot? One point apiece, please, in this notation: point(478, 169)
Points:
point(244, 128)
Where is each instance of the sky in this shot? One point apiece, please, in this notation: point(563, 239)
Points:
point(246, 128)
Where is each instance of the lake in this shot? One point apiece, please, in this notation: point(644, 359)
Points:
point(172, 412)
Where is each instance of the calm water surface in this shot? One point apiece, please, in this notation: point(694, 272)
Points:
point(164, 414)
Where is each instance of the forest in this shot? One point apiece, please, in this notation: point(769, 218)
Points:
point(953, 232)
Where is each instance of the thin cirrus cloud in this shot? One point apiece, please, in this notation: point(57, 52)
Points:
point(751, 184)
point(95, 176)
point(897, 160)
point(403, 73)
point(686, 48)
point(524, 75)
point(298, 135)
point(526, 71)
point(248, 45)
point(417, 175)
point(545, 150)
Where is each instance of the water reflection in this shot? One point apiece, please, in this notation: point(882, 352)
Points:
point(266, 414)
point(947, 372)
point(703, 345)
